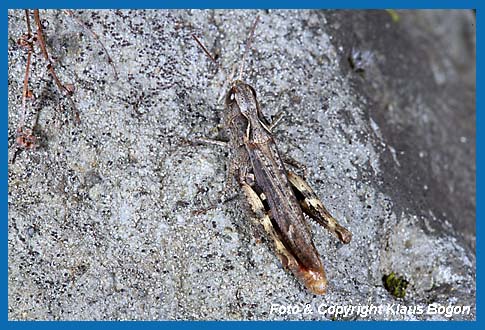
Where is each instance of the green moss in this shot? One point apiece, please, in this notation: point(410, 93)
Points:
point(395, 285)
point(394, 15)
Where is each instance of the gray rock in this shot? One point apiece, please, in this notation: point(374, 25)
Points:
point(380, 107)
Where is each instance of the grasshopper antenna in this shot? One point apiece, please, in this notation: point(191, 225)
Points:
point(248, 45)
point(201, 45)
point(226, 77)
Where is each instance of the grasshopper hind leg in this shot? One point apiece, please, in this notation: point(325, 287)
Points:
point(314, 208)
point(314, 280)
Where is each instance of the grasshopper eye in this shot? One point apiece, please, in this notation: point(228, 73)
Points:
point(231, 96)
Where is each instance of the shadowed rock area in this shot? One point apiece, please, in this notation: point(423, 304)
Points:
point(379, 106)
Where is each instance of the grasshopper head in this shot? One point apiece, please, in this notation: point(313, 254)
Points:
point(243, 95)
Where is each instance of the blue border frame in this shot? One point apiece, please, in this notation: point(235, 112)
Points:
point(243, 4)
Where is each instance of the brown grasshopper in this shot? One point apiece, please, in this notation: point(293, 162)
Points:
point(278, 197)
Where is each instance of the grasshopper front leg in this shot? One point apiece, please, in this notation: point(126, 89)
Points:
point(313, 207)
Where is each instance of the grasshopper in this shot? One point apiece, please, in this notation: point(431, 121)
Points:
point(278, 197)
